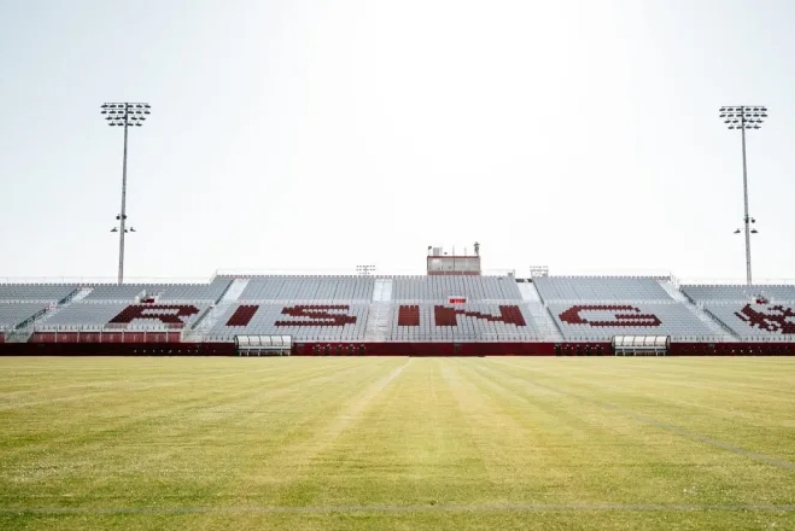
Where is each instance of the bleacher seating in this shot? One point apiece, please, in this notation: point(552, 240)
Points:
point(162, 292)
point(14, 314)
point(304, 322)
point(423, 321)
point(440, 288)
point(86, 315)
point(35, 292)
point(592, 321)
point(766, 322)
point(600, 289)
point(242, 315)
point(189, 292)
point(115, 292)
point(309, 288)
point(738, 293)
point(413, 309)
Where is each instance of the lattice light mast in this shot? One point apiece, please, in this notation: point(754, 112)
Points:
point(745, 117)
point(365, 270)
point(124, 114)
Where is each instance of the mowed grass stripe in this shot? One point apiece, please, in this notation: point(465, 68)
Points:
point(551, 519)
point(739, 376)
point(152, 376)
point(631, 458)
point(390, 443)
point(116, 448)
point(410, 444)
point(131, 405)
point(727, 420)
point(272, 451)
point(246, 437)
point(603, 457)
point(49, 387)
point(747, 377)
point(425, 508)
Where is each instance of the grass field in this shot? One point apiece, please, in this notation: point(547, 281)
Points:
point(377, 443)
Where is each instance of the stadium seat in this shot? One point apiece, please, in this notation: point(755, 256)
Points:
point(423, 321)
point(583, 321)
point(35, 292)
point(600, 289)
point(441, 288)
point(300, 289)
point(14, 314)
point(756, 322)
point(738, 293)
point(93, 315)
point(304, 322)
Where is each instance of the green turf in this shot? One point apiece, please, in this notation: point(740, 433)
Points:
point(397, 443)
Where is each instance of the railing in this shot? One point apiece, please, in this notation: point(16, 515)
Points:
point(646, 273)
point(343, 272)
point(695, 281)
point(722, 339)
point(106, 336)
point(29, 301)
point(380, 273)
point(92, 280)
point(109, 328)
point(602, 300)
point(674, 339)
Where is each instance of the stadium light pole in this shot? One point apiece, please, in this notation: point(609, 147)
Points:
point(745, 117)
point(365, 270)
point(124, 114)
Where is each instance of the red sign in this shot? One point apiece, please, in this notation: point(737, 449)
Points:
point(611, 315)
point(777, 319)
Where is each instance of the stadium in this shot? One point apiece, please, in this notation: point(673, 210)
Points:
point(453, 310)
point(451, 400)
point(448, 386)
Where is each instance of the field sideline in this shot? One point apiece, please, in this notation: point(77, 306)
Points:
point(397, 443)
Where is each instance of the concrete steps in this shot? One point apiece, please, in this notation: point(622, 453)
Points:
point(377, 328)
point(378, 319)
point(722, 332)
point(539, 312)
point(205, 324)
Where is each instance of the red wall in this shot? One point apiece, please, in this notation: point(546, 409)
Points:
point(450, 349)
point(425, 349)
point(86, 347)
point(732, 349)
point(106, 337)
point(118, 349)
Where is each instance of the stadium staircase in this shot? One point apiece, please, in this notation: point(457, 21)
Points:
point(539, 312)
point(377, 328)
point(81, 294)
point(78, 295)
point(230, 296)
point(20, 335)
point(724, 333)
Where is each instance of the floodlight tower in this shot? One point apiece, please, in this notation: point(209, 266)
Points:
point(125, 115)
point(365, 270)
point(744, 117)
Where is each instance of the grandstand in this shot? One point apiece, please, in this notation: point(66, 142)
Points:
point(454, 309)
point(36, 292)
point(734, 294)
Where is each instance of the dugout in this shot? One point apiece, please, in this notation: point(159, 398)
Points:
point(263, 345)
point(641, 345)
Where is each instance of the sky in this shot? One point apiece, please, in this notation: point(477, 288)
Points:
point(297, 135)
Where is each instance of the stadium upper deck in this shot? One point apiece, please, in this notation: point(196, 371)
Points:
point(362, 309)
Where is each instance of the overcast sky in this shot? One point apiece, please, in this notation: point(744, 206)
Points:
point(581, 135)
